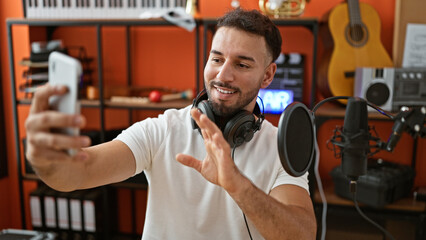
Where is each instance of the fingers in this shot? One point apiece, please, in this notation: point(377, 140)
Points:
point(57, 141)
point(189, 161)
point(40, 157)
point(41, 97)
point(42, 144)
point(44, 147)
point(208, 128)
point(52, 119)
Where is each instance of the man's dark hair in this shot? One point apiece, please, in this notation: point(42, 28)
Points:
point(254, 22)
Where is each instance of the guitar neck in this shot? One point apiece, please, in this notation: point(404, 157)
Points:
point(354, 13)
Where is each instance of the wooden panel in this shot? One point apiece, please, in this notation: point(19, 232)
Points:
point(406, 11)
point(3, 155)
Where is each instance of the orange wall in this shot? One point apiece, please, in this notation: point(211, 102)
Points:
point(9, 200)
point(178, 53)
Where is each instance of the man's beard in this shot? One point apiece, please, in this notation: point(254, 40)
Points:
point(220, 109)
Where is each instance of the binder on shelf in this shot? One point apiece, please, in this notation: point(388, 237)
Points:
point(64, 218)
point(37, 208)
point(49, 201)
point(92, 214)
point(70, 215)
point(43, 208)
point(86, 214)
point(76, 214)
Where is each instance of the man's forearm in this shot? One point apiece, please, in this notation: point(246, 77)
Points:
point(273, 219)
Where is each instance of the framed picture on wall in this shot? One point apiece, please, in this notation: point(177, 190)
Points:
point(3, 155)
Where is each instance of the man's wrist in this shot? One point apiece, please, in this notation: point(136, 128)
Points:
point(240, 188)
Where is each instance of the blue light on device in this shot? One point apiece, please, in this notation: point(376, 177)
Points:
point(275, 100)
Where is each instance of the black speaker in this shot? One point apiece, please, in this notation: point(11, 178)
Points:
point(238, 129)
point(391, 88)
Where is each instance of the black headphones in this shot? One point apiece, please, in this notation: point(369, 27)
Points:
point(239, 129)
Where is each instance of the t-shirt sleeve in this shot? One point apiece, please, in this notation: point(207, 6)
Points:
point(144, 138)
point(285, 178)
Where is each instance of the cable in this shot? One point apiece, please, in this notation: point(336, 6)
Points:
point(248, 229)
point(386, 233)
point(383, 112)
point(327, 100)
point(321, 191)
point(244, 215)
point(378, 109)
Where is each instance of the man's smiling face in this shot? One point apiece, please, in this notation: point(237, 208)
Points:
point(238, 66)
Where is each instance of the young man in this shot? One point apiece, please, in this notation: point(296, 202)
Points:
point(199, 188)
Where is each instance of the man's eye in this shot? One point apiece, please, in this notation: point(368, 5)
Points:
point(241, 65)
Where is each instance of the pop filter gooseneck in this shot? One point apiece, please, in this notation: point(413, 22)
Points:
point(296, 139)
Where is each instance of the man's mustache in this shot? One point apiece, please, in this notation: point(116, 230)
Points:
point(224, 85)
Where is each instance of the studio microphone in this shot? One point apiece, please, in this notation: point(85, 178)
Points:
point(354, 144)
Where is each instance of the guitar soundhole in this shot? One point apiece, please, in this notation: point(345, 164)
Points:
point(356, 35)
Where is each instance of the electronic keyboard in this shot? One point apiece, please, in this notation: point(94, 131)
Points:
point(96, 9)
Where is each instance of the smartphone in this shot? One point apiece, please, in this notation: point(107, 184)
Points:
point(65, 70)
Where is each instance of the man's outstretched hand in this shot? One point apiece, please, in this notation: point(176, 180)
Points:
point(218, 166)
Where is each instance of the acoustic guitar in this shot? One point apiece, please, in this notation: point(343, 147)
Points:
point(355, 32)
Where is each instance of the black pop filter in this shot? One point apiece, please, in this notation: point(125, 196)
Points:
point(296, 139)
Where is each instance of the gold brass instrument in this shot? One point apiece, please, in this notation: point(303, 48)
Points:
point(288, 8)
point(191, 7)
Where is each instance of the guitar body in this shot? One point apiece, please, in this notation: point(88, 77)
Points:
point(361, 48)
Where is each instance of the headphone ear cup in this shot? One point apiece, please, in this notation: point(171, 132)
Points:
point(239, 129)
point(205, 108)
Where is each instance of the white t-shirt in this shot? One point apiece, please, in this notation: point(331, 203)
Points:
point(181, 203)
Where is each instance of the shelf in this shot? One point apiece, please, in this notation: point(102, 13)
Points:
point(291, 21)
point(103, 104)
point(90, 22)
point(108, 104)
point(404, 204)
point(330, 110)
point(155, 106)
point(31, 176)
point(28, 63)
point(130, 185)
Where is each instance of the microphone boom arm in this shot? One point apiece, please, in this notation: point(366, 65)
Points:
point(410, 120)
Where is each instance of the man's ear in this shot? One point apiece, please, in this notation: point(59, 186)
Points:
point(269, 75)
